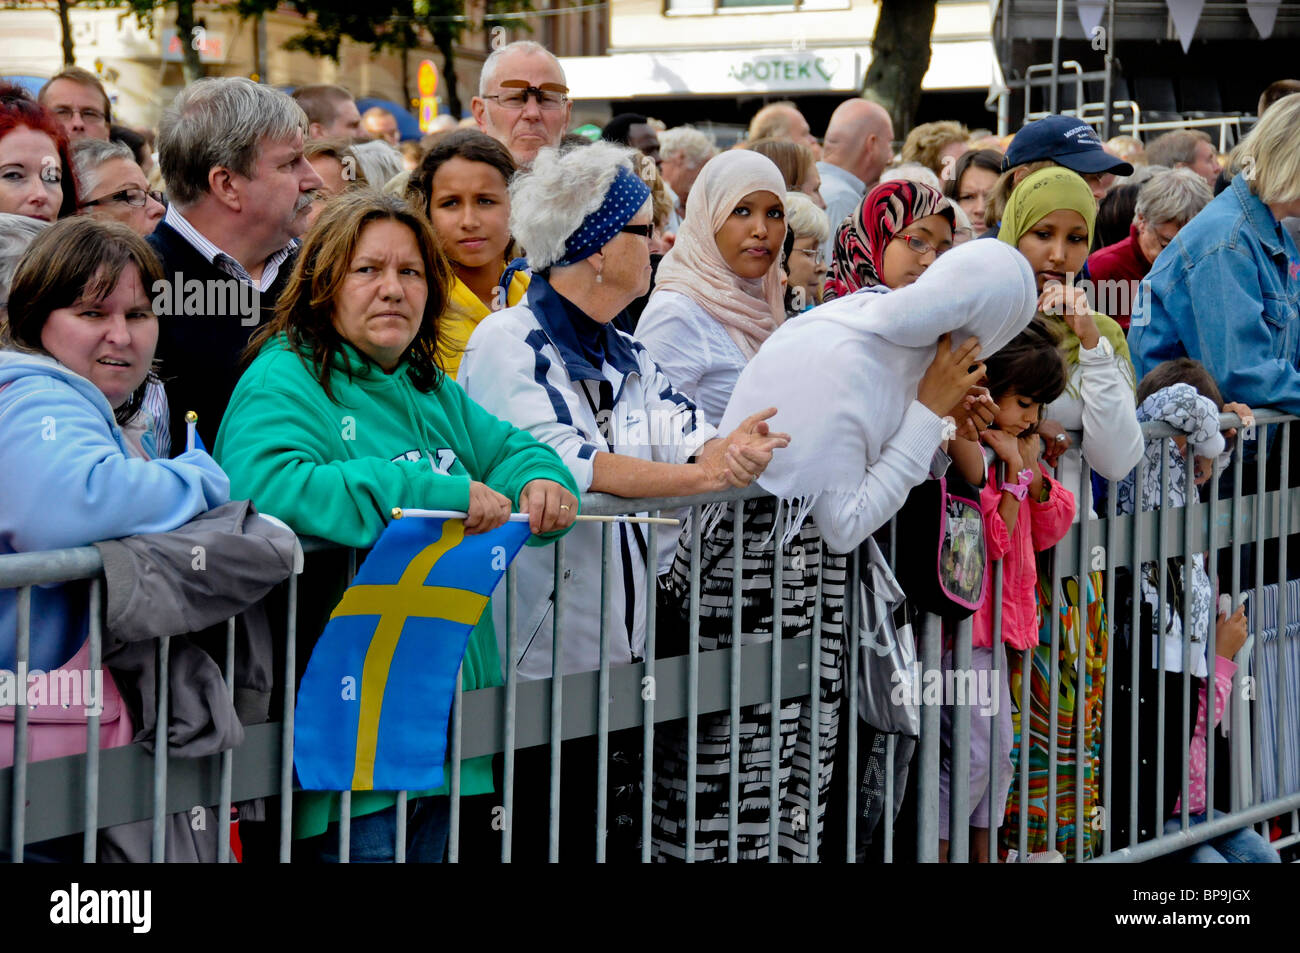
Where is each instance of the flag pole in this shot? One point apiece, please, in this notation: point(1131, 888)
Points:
point(398, 513)
point(191, 429)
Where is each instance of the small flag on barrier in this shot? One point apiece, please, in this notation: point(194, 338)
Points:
point(374, 703)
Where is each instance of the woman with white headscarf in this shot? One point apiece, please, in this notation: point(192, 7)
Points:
point(862, 384)
point(718, 293)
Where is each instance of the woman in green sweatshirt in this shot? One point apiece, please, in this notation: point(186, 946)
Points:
point(342, 414)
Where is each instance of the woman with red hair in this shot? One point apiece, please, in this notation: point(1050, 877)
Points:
point(36, 177)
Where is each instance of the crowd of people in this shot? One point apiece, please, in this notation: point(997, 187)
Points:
point(504, 317)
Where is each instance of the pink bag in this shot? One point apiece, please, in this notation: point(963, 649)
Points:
point(56, 731)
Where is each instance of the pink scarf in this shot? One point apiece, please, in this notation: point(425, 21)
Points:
point(750, 309)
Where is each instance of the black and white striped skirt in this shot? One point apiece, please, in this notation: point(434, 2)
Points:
point(801, 561)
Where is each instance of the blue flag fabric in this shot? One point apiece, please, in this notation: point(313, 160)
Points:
point(374, 703)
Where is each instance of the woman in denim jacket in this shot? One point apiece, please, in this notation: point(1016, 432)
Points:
point(1226, 291)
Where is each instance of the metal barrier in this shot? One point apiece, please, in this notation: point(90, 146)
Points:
point(85, 793)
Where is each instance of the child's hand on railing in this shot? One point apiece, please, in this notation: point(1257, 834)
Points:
point(1007, 448)
point(1230, 633)
point(1245, 413)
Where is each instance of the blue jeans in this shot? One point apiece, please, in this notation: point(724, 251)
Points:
point(1240, 847)
point(428, 822)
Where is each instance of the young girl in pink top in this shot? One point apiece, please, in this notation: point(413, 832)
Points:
point(1024, 511)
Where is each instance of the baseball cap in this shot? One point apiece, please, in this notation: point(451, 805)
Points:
point(1066, 141)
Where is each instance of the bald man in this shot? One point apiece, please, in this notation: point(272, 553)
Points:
point(857, 147)
point(781, 120)
point(379, 123)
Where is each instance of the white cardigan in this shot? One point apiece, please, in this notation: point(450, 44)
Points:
point(693, 350)
point(1105, 409)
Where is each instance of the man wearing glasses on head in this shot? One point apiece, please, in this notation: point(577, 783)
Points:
point(523, 101)
point(77, 99)
point(110, 185)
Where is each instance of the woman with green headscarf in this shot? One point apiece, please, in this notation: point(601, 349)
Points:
point(1049, 218)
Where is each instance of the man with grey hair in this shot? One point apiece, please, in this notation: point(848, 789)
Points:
point(110, 185)
point(857, 147)
point(1186, 149)
point(523, 102)
point(1167, 201)
point(683, 151)
point(231, 153)
point(331, 111)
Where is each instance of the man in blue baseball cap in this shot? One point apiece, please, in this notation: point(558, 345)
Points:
point(1068, 142)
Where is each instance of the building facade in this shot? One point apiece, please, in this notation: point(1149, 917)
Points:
point(684, 60)
point(142, 72)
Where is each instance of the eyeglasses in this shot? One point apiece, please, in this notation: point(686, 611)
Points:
point(922, 247)
point(645, 231)
point(87, 115)
point(514, 95)
point(1164, 242)
point(134, 197)
point(816, 254)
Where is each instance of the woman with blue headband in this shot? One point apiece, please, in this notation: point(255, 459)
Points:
point(556, 366)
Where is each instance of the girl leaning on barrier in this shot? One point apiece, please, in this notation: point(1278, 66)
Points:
point(898, 231)
point(342, 414)
point(1050, 218)
point(78, 462)
point(556, 366)
point(862, 383)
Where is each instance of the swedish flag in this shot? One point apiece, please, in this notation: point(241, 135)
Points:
point(374, 703)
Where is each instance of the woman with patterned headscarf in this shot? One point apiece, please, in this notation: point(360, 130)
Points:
point(897, 232)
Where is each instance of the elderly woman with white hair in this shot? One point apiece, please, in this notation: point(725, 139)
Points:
point(111, 185)
point(16, 233)
point(806, 228)
point(555, 366)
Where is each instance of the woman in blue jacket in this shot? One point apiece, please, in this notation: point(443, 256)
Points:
point(1226, 291)
point(77, 460)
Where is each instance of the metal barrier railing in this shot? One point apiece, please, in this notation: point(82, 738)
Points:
point(85, 793)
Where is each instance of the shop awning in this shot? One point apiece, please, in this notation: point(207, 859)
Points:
point(964, 64)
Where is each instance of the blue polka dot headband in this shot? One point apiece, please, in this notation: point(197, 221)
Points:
point(623, 200)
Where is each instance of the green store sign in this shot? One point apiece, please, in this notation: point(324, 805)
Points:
point(808, 70)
